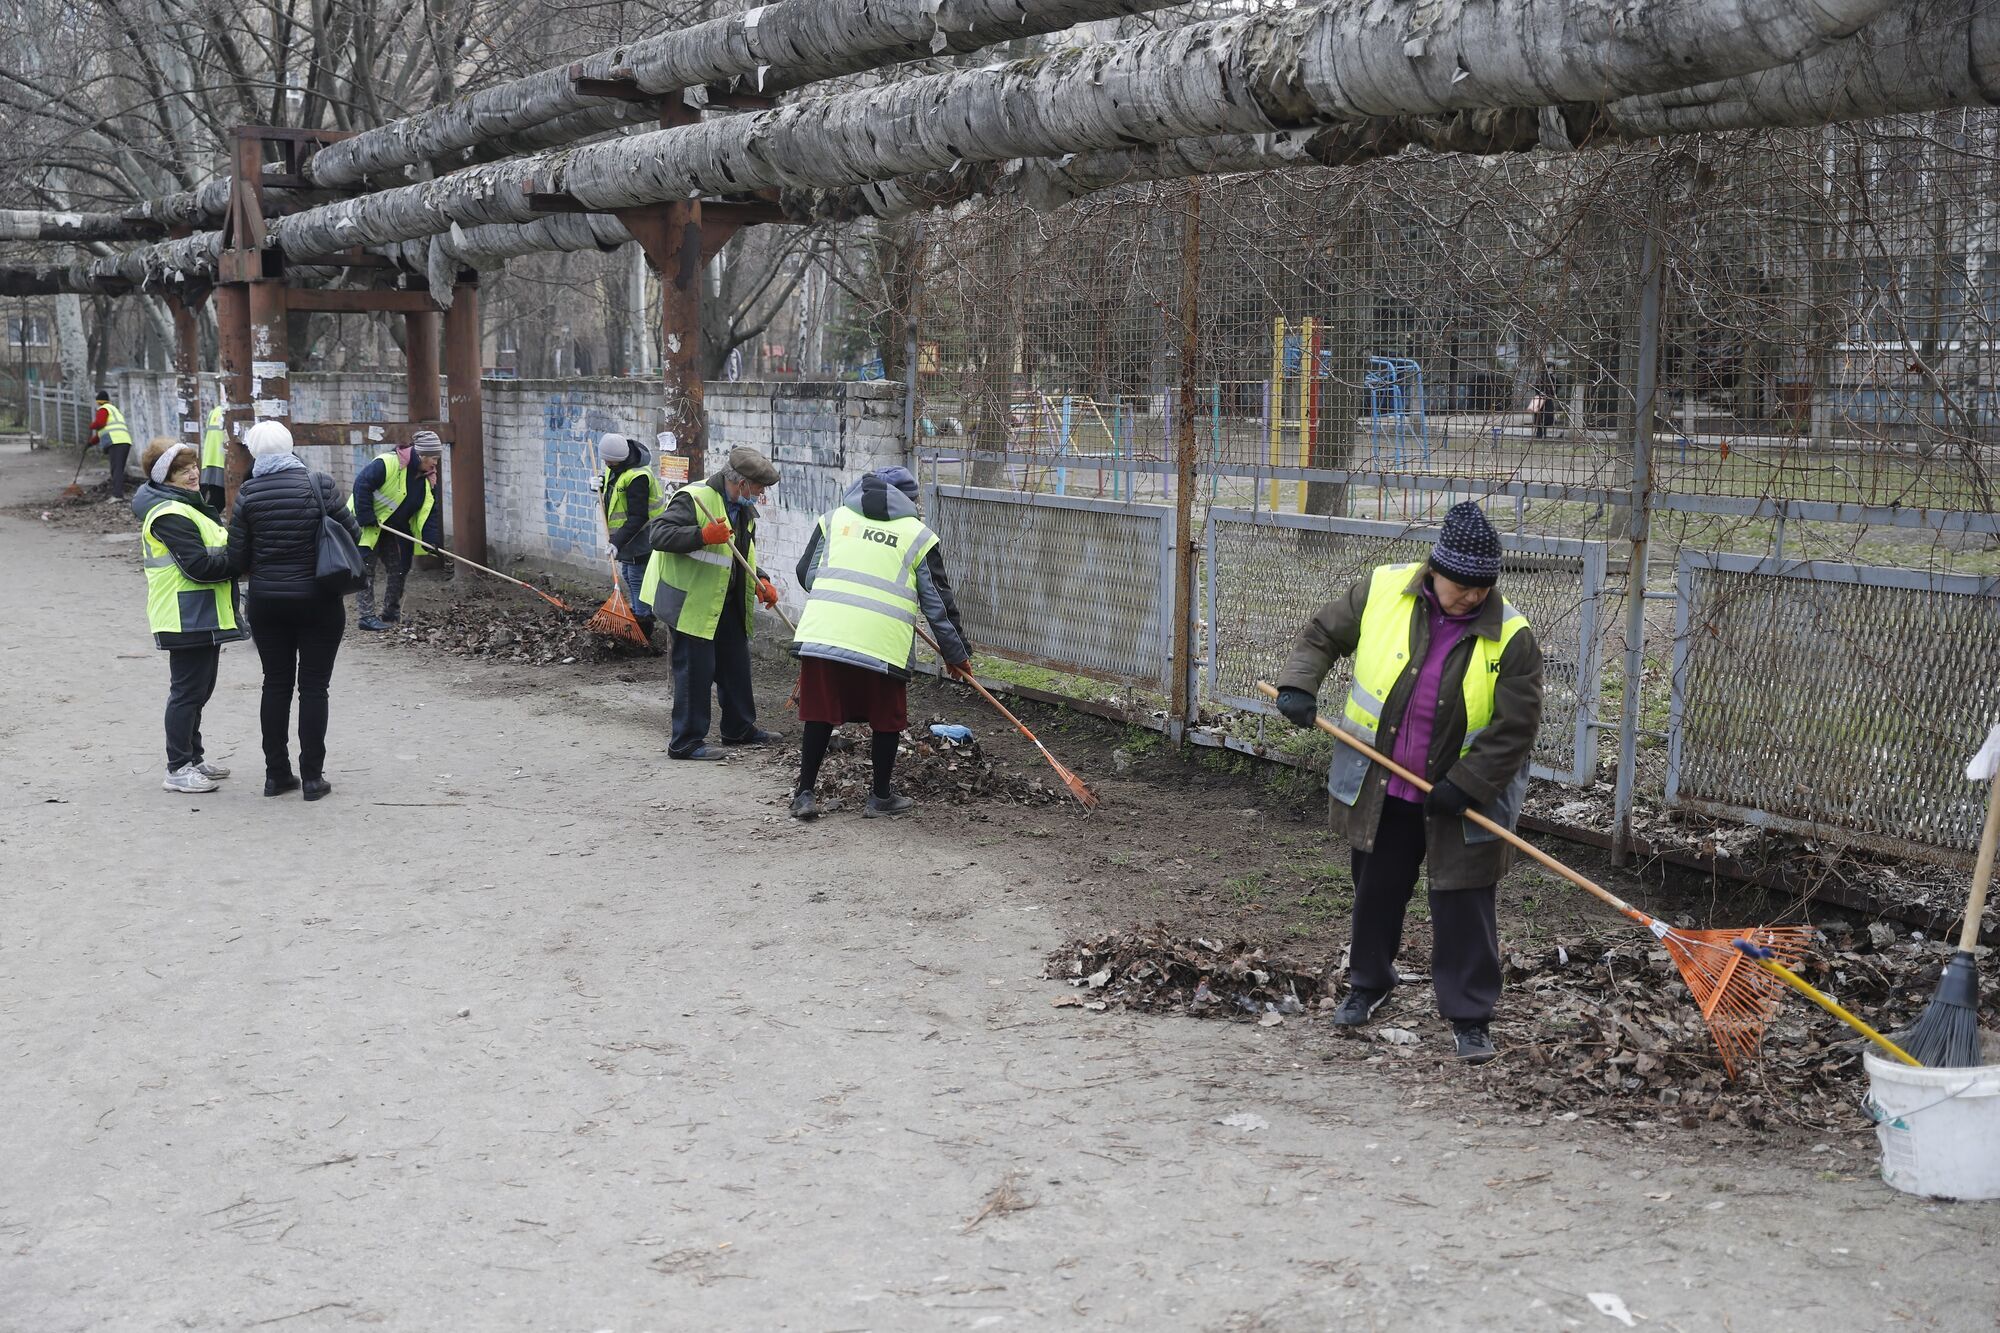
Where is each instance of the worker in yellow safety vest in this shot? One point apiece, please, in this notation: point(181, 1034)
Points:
point(214, 458)
point(109, 432)
point(701, 592)
point(632, 497)
point(191, 603)
point(869, 574)
point(398, 489)
point(1448, 684)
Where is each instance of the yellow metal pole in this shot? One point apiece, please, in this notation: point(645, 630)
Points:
point(1277, 404)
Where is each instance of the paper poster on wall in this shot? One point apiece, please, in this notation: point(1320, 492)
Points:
point(674, 469)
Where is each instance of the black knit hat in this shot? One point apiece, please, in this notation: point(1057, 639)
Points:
point(1468, 550)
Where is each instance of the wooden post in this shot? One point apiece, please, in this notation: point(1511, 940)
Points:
point(187, 369)
point(232, 323)
point(1185, 704)
point(462, 350)
point(420, 360)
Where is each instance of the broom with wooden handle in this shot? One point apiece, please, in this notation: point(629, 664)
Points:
point(1737, 998)
point(549, 597)
point(614, 619)
point(1946, 1034)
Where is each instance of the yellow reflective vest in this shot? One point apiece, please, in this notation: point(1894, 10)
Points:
point(701, 578)
point(115, 430)
point(214, 450)
point(864, 593)
point(175, 603)
point(1382, 656)
point(389, 495)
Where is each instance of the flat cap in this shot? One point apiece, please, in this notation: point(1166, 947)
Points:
point(751, 465)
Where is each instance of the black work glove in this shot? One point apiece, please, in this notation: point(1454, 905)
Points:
point(1299, 708)
point(1447, 799)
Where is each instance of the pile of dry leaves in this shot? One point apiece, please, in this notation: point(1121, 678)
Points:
point(529, 631)
point(933, 770)
point(93, 513)
point(1599, 1026)
point(1152, 970)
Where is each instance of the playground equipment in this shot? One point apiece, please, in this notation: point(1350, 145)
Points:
point(1292, 412)
point(1396, 395)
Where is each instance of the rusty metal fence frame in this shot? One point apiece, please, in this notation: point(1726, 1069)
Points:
point(1589, 560)
point(1948, 826)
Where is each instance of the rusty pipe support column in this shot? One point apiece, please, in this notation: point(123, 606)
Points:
point(232, 324)
point(462, 348)
point(420, 360)
point(187, 369)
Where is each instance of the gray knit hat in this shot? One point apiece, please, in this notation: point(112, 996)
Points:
point(426, 442)
point(1468, 549)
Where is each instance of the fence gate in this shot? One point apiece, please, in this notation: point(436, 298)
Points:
point(1084, 586)
point(1268, 573)
point(1833, 700)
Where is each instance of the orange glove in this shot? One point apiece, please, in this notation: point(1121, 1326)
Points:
point(767, 592)
point(715, 533)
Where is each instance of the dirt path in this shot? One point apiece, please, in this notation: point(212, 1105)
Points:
point(527, 1028)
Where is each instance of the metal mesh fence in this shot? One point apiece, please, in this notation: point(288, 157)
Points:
point(1267, 574)
point(1068, 584)
point(1833, 698)
point(1372, 341)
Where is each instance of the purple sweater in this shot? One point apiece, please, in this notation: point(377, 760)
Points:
point(1413, 742)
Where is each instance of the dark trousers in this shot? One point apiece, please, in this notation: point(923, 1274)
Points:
point(1465, 934)
point(632, 573)
point(721, 664)
point(193, 671)
point(394, 555)
point(297, 639)
point(116, 454)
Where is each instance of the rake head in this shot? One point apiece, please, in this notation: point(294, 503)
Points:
point(1737, 998)
point(1077, 786)
point(614, 620)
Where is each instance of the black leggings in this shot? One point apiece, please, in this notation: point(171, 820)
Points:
point(297, 638)
point(819, 735)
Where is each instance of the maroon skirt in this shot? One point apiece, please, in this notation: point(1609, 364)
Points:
point(837, 692)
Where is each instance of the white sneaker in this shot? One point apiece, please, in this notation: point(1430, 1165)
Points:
point(213, 772)
point(187, 779)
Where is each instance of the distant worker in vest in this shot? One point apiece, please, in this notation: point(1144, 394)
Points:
point(214, 459)
point(398, 489)
point(868, 576)
point(109, 432)
point(191, 601)
point(1448, 684)
point(699, 591)
point(633, 497)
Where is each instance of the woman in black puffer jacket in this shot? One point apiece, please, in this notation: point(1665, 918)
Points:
point(274, 540)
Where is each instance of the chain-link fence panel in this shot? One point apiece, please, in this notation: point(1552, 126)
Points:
point(1837, 701)
point(1075, 585)
point(1268, 573)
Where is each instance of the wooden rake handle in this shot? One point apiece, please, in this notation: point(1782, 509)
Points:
point(778, 607)
point(1982, 871)
point(1519, 843)
point(550, 598)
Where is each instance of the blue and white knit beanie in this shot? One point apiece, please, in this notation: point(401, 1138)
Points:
point(1468, 550)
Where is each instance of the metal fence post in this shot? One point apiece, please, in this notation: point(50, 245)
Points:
point(1184, 697)
point(1645, 389)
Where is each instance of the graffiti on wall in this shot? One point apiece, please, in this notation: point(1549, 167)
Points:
point(570, 427)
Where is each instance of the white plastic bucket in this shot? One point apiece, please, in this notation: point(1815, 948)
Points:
point(1939, 1128)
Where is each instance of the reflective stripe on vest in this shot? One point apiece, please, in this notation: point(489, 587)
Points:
point(395, 488)
point(701, 577)
point(214, 450)
point(175, 603)
point(864, 594)
point(1382, 656)
point(618, 496)
point(115, 430)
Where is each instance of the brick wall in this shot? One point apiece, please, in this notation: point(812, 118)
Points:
point(541, 448)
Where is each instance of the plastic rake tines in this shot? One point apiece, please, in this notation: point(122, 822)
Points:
point(1737, 998)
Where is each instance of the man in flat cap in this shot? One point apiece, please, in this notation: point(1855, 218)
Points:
point(695, 587)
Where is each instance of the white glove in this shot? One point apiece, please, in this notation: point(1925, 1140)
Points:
point(610, 551)
point(597, 481)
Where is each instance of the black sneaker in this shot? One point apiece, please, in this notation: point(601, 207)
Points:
point(373, 624)
point(805, 805)
point(1475, 1043)
point(887, 807)
point(1359, 1006)
point(277, 784)
point(757, 737)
